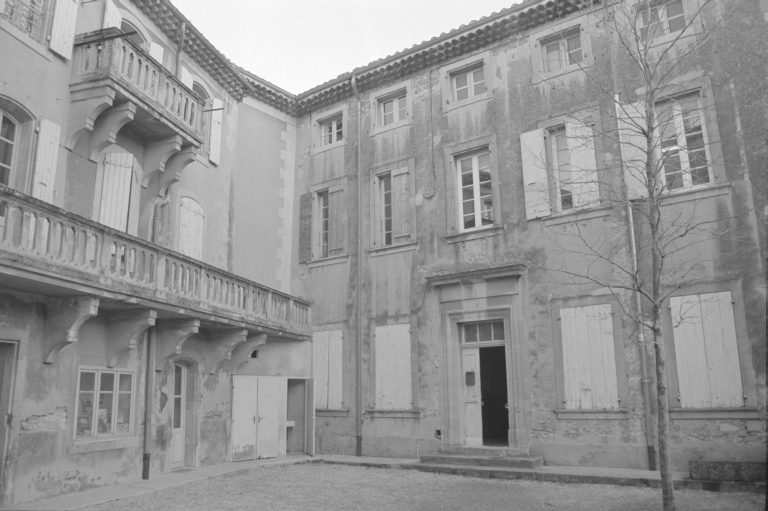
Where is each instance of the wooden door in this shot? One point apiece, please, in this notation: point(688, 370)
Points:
point(473, 411)
point(179, 419)
point(116, 190)
point(244, 389)
point(267, 417)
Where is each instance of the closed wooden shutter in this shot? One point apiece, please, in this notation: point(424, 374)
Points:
point(320, 368)
point(157, 52)
point(392, 353)
point(112, 16)
point(46, 160)
point(63, 29)
point(708, 369)
point(633, 148)
point(186, 77)
point(191, 220)
point(337, 213)
point(116, 190)
point(589, 362)
point(535, 178)
point(305, 228)
point(335, 364)
point(214, 151)
point(400, 200)
point(581, 145)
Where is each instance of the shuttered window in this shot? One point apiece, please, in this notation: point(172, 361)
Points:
point(535, 177)
point(191, 220)
point(63, 28)
point(392, 353)
point(327, 369)
point(708, 367)
point(117, 181)
point(8, 140)
point(46, 160)
point(217, 116)
point(589, 362)
point(392, 208)
point(112, 16)
point(322, 224)
point(632, 128)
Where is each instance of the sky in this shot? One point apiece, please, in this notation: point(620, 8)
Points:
point(298, 44)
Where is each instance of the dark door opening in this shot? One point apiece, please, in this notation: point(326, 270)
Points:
point(493, 391)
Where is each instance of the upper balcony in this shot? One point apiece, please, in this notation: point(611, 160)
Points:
point(48, 251)
point(109, 72)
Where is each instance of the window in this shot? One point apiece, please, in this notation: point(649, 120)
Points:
point(104, 403)
point(485, 331)
point(136, 36)
point(205, 117)
point(26, 15)
point(117, 181)
point(324, 223)
point(468, 83)
point(191, 222)
point(561, 164)
point(385, 194)
point(392, 352)
point(331, 131)
point(392, 109)
point(562, 50)
point(327, 369)
point(661, 19)
point(391, 205)
point(683, 143)
point(8, 134)
point(475, 190)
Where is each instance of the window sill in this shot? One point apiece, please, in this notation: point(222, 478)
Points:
point(376, 130)
point(483, 232)
point(322, 149)
point(328, 261)
point(80, 447)
point(331, 413)
point(714, 413)
point(695, 193)
point(24, 39)
point(393, 414)
point(620, 414)
point(578, 215)
point(464, 102)
point(393, 249)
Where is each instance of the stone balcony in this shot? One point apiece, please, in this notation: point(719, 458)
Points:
point(48, 251)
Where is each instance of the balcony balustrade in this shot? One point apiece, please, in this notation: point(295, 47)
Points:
point(49, 240)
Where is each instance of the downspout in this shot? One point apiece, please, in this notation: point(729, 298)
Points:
point(359, 392)
point(180, 47)
point(149, 392)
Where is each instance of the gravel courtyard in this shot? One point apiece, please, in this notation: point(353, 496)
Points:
point(337, 487)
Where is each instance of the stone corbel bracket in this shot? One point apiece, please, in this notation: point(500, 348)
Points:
point(174, 167)
point(125, 328)
point(171, 336)
point(226, 341)
point(157, 155)
point(107, 126)
point(241, 355)
point(65, 317)
point(87, 105)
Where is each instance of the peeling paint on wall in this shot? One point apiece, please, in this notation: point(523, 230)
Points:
point(55, 420)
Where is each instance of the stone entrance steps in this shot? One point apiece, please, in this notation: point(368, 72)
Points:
point(480, 457)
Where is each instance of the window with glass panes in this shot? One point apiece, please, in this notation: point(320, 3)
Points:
point(323, 208)
point(392, 109)
point(8, 130)
point(332, 131)
point(683, 143)
point(483, 331)
point(104, 403)
point(385, 193)
point(561, 164)
point(468, 83)
point(563, 50)
point(661, 19)
point(475, 190)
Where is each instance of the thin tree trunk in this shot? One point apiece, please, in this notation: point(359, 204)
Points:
point(665, 460)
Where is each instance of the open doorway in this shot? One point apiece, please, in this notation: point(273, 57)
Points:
point(493, 392)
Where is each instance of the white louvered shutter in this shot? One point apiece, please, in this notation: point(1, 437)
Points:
point(535, 178)
point(589, 362)
point(46, 160)
point(400, 200)
point(63, 29)
point(334, 369)
point(337, 226)
point(320, 368)
point(392, 352)
point(581, 146)
point(112, 16)
point(217, 117)
point(116, 190)
point(633, 148)
point(186, 77)
point(191, 219)
point(157, 52)
point(708, 369)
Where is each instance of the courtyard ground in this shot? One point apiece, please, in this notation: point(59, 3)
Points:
point(319, 486)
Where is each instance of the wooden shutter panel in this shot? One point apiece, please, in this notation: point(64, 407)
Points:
point(589, 362)
point(581, 145)
point(633, 148)
point(535, 176)
point(46, 160)
point(63, 29)
point(320, 368)
point(400, 200)
point(392, 352)
point(335, 365)
point(116, 190)
point(2, 5)
point(191, 221)
point(336, 212)
point(112, 16)
point(157, 52)
point(708, 369)
point(217, 116)
point(305, 228)
point(186, 77)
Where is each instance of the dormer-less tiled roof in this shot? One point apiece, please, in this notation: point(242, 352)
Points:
point(270, 94)
point(168, 18)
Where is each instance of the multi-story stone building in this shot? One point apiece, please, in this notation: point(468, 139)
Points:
point(164, 212)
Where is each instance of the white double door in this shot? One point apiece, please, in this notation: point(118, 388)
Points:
point(259, 406)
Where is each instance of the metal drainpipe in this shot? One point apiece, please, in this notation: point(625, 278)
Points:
point(359, 396)
point(149, 392)
point(180, 47)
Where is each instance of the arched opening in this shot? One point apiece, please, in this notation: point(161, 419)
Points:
point(16, 138)
point(136, 37)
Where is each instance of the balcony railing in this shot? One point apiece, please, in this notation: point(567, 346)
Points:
point(47, 238)
point(26, 15)
point(130, 65)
